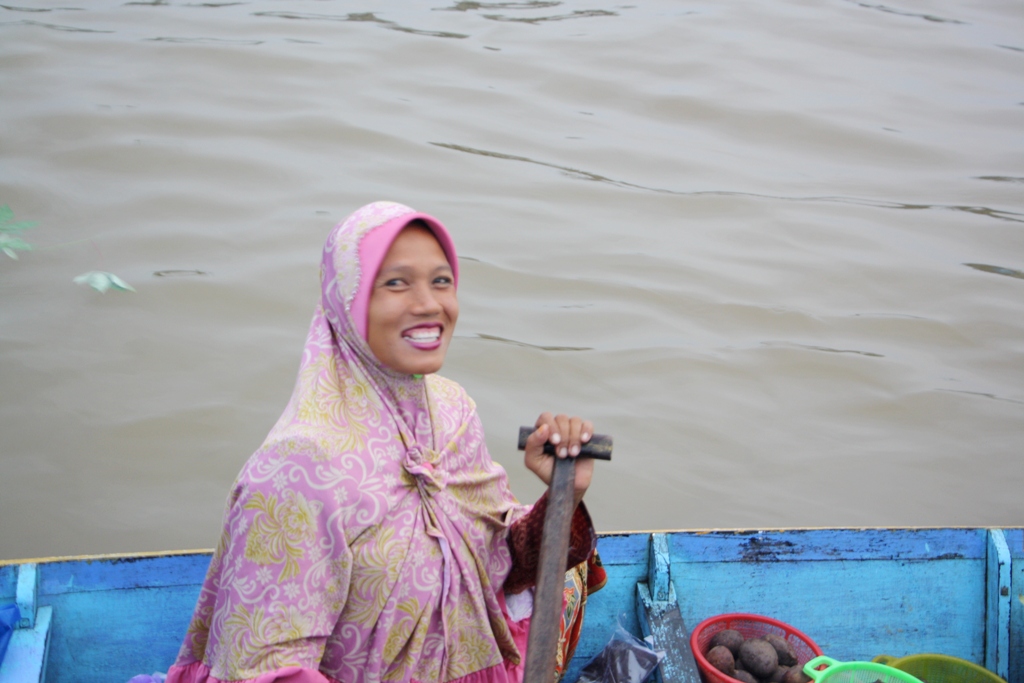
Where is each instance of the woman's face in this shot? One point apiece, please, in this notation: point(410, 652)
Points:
point(413, 308)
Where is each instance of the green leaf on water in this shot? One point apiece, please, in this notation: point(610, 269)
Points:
point(101, 281)
point(9, 243)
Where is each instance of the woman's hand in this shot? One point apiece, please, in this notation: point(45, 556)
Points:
point(566, 434)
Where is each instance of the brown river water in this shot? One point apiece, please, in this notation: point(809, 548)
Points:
point(776, 249)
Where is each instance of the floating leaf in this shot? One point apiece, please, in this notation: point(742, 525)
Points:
point(8, 242)
point(101, 281)
point(6, 216)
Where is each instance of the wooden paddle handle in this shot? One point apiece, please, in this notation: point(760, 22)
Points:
point(545, 624)
point(599, 447)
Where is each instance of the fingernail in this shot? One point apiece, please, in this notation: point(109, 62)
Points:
point(556, 438)
point(562, 452)
point(575, 450)
point(585, 436)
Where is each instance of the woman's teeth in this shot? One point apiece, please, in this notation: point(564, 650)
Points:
point(430, 334)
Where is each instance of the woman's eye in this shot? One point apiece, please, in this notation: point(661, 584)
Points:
point(442, 280)
point(394, 282)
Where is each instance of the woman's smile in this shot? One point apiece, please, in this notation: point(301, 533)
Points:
point(425, 336)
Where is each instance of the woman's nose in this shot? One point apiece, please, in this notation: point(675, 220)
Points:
point(425, 300)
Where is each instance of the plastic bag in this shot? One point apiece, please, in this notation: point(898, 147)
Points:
point(625, 659)
point(9, 617)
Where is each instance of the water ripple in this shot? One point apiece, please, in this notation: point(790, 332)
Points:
point(878, 203)
point(1000, 178)
point(471, 6)
point(983, 394)
point(904, 13)
point(55, 27)
point(214, 41)
point(577, 14)
point(16, 8)
point(826, 349)
point(997, 270)
point(503, 340)
point(360, 17)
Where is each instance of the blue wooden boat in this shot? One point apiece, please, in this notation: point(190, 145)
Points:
point(857, 593)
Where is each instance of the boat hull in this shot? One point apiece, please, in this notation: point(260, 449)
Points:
point(857, 593)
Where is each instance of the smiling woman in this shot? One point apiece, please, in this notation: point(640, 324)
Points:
point(371, 537)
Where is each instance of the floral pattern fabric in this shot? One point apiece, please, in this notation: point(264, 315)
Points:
point(366, 538)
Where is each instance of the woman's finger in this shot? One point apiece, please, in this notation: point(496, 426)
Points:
point(562, 445)
point(575, 429)
point(539, 436)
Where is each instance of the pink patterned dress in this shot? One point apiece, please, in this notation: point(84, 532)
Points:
point(366, 540)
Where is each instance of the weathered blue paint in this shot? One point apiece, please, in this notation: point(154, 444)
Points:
point(997, 608)
point(658, 562)
point(829, 545)
point(187, 569)
point(658, 613)
point(1015, 544)
point(8, 583)
point(28, 586)
point(856, 593)
point(28, 649)
point(26, 658)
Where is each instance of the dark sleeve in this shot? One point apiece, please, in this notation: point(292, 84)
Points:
point(524, 543)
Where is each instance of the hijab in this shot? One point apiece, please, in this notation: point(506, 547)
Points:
point(366, 537)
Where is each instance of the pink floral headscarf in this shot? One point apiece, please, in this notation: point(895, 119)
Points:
point(365, 540)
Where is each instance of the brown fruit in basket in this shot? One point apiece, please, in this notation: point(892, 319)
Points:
point(745, 677)
point(721, 658)
point(777, 675)
point(787, 655)
point(759, 657)
point(730, 638)
point(796, 674)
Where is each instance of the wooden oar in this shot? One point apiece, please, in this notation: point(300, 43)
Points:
point(542, 647)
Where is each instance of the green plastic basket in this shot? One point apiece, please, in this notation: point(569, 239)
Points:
point(940, 668)
point(855, 672)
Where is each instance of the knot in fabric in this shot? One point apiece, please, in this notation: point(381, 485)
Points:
point(422, 463)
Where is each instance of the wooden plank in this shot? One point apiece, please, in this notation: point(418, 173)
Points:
point(853, 610)
point(1015, 544)
point(623, 549)
point(829, 544)
point(108, 637)
point(26, 661)
point(658, 613)
point(663, 621)
point(28, 587)
point(997, 612)
point(76, 576)
point(8, 583)
point(625, 560)
point(658, 568)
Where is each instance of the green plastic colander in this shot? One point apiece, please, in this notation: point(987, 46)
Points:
point(940, 668)
point(855, 672)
